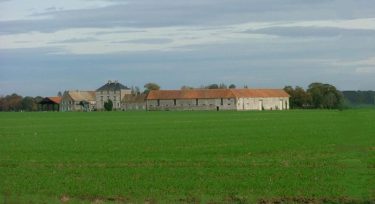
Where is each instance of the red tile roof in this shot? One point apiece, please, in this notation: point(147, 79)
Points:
point(55, 99)
point(216, 93)
point(259, 93)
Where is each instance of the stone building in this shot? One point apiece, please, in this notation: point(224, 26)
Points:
point(78, 101)
point(218, 99)
point(134, 102)
point(114, 91)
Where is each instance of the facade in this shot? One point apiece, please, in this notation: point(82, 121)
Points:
point(218, 99)
point(134, 102)
point(78, 101)
point(114, 91)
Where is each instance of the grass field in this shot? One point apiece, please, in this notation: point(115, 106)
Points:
point(188, 157)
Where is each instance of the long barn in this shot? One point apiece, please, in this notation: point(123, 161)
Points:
point(218, 99)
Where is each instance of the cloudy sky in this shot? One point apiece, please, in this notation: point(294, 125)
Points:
point(51, 46)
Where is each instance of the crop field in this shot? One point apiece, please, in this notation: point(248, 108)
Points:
point(188, 157)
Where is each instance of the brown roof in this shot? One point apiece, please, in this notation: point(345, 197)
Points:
point(216, 93)
point(51, 100)
point(134, 98)
point(82, 95)
point(55, 99)
point(259, 93)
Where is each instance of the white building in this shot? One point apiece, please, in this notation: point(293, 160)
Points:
point(218, 99)
point(114, 91)
point(78, 101)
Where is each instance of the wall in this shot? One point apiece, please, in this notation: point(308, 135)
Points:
point(191, 104)
point(134, 106)
point(263, 104)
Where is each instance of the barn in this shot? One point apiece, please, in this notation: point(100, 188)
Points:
point(218, 99)
point(78, 101)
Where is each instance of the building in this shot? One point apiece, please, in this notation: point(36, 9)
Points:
point(50, 103)
point(78, 101)
point(114, 91)
point(218, 99)
point(134, 102)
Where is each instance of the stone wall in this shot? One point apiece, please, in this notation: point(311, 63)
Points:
point(192, 104)
point(263, 104)
point(220, 104)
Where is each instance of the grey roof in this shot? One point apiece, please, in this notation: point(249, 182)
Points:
point(112, 86)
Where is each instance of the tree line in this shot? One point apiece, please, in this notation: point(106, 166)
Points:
point(317, 96)
point(16, 102)
point(360, 98)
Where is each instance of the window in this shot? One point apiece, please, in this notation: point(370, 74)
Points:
point(101, 98)
point(174, 101)
point(222, 101)
point(158, 101)
point(196, 102)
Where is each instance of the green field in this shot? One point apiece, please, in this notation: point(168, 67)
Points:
point(188, 157)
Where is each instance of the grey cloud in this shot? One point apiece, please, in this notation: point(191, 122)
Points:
point(75, 40)
point(300, 31)
point(118, 32)
point(150, 13)
point(146, 41)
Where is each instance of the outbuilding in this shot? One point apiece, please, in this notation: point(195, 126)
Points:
point(218, 99)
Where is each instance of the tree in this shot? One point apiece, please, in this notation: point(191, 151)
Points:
point(212, 86)
point(14, 102)
point(29, 104)
point(325, 96)
point(151, 86)
point(232, 86)
point(59, 94)
point(108, 105)
point(299, 98)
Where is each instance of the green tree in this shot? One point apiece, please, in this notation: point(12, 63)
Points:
point(151, 86)
point(325, 96)
point(108, 105)
point(29, 104)
point(212, 86)
point(299, 98)
point(232, 86)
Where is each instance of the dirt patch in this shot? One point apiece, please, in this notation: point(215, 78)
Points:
point(64, 199)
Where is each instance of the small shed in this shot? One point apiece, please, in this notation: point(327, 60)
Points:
point(50, 104)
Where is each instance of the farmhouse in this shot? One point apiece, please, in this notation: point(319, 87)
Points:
point(114, 91)
point(78, 101)
point(218, 99)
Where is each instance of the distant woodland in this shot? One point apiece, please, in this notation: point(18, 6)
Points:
point(359, 98)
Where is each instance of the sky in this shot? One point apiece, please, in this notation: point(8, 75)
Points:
point(51, 46)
